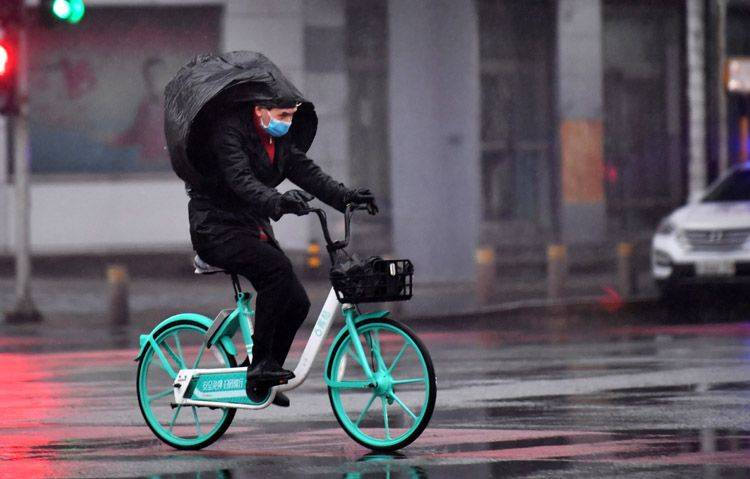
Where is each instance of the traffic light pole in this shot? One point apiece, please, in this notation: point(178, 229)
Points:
point(25, 310)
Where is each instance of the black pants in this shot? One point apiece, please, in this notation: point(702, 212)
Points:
point(282, 303)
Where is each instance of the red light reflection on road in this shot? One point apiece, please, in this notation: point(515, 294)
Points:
point(29, 400)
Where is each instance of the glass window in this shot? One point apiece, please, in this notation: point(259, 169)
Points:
point(518, 119)
point(643, 111)
point(735, 187)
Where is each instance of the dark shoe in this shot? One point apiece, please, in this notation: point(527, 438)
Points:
point(281, 400)
point(268, 371)
point(262, 376)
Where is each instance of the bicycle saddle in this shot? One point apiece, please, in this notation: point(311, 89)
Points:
point(201, 267)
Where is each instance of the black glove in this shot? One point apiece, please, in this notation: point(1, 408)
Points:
point(362, 196)
point(294, 201)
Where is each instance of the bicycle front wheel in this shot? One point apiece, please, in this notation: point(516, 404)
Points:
point(392, 412)
point(182, 427)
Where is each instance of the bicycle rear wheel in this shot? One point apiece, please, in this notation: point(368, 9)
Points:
point(393, 412)
point(182, 427)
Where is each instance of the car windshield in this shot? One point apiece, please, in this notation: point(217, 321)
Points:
point(735, 187)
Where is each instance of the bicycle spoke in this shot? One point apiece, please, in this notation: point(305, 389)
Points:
point(398, 357)
point(342, 368)
point(375, 345)
point(163, 361)
point(179, 348)
point(385, 417)
point(364, 411)
point(164, 368)
point(177, 359)
point(351, 353)
point(197, 421)
point(198, 359)
point(403, 406)
point(408, 381)
point(356, 359)
point(174, 417)
point(160, 395)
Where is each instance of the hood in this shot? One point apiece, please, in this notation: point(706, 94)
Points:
point(212, 80)
point(713, 215)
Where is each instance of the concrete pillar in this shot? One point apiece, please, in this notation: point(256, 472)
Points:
point(434, 133)
point(581, 76)
point(327, 85)
point(696, 98)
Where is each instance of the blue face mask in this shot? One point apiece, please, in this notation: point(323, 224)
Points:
point(276, 128)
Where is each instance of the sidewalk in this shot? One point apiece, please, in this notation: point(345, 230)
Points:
point(76, 285)
point(208, 294)
point(75, 310)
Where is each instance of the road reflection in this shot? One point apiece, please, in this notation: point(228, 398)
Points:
point(30, 399)
point(385, 465)
point(221, 474)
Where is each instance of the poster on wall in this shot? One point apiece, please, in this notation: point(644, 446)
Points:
point(96, 88)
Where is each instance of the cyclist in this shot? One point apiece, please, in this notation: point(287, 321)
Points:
point(243, 149)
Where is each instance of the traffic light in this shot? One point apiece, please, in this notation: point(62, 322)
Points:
point(8, 71)
point(67, 11)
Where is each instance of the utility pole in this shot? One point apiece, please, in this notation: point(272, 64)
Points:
point(25, 310)
point(696, 98)
point(721, 94)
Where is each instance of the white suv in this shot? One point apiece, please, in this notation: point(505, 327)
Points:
point(706, 241)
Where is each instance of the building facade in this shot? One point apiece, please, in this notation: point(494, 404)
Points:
point(510, 124)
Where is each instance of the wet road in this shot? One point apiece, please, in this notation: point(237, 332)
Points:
point(652, 393)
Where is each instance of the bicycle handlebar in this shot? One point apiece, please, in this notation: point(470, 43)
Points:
point(348, 212)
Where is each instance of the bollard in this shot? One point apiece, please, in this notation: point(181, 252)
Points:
point(627, 279)
point(119, 308)
point(556, 270)
point(486, 269)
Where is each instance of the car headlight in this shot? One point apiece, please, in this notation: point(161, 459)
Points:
point(660, 258)
point(666, 227)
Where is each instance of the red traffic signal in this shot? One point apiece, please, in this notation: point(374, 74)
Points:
point(4, 60)
point(8, 73)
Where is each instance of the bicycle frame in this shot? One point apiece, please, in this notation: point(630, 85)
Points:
point(225, 387)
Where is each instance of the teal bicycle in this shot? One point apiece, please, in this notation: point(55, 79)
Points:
point(380, 378)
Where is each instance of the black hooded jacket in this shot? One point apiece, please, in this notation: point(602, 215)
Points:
point(216, 150)
point(237, 189)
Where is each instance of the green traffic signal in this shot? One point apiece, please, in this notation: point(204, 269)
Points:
point(70, 11)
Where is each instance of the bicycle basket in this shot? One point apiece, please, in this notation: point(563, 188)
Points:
point(381, 280)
